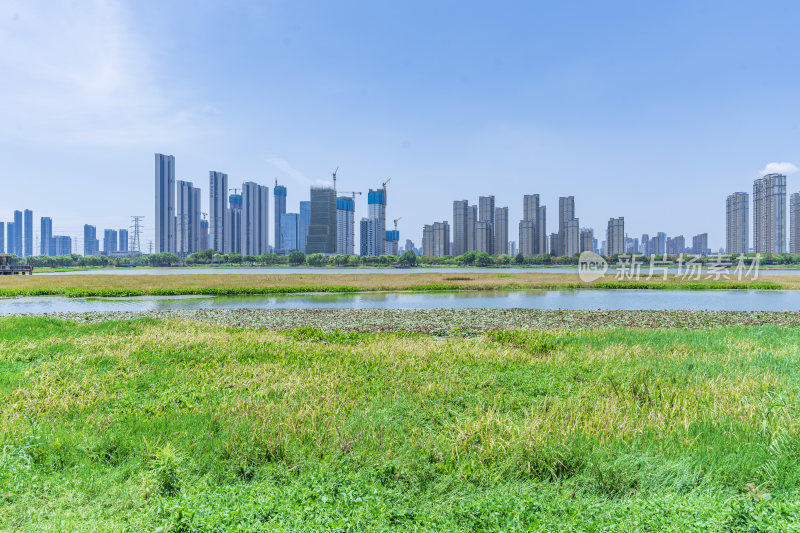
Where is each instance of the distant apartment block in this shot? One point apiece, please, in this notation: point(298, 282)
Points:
point(737, 223)
point(794, 223)
point(322, 226)
point(376, 238)
point(188, 218)
point(123, 241)
point(572, 237)
point(217, 210)
point(18, 245)
point(486, 215)
point(233, 225)
point(28, 222)
point(769, 214)
point(615, 236)
point(110, 241)
point(62, 245)
point(165, 203)
point(302, 225)
point(2, 237)
point(587, 240)
point(501, 230)
point(345, 225)
point(91, 246)
point(566, 214)
point(700, 244)
point(46, 246)
point(279, 194)
point(460, 241)
point(290, 229)
point(255, 218)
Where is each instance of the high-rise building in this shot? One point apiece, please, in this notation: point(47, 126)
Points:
point(302, 225)
point(587, 240)
point(441, 239)
point(46, 236)
point(165, 203)
point(657, 245)
point(472, 219)
point(28, 221)
point(643, 245)
point(483, 236)
point(571, 237)
point(290, 229)
point(566, 213)
point(204, 235)
point(769, 214)
point(110, 241)
point(123, 241)
point(18, 246)
point(364, 228)
point(2, 237)
point(555, 245)
point(62, 245)
point(427, 240)
point(279, 192)
point(11, 232)
point(615, 236)
point(376, 200)
point(345, 225)
point(486, 214)
point(217, 210)
point(460, 240)
point(322, 226)
point(255, 218)
point(527, 237)
point(700, 244)
point(794, 223)
point(392, 242)
point(233, 239)
point(501, 230)
point(91, 246)
point(188, 219)
point(676, 245)
point(436, 239)
point(532, 227)
point(737, 238)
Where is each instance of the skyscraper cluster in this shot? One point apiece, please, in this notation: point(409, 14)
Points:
point(768, 215)
point(238, 222)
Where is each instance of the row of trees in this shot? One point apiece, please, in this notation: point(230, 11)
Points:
point(296, 258)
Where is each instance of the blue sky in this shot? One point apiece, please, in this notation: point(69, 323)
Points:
point(651, 111)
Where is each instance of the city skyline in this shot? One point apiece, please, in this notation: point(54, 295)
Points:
point(244, 224)
point(466, 105)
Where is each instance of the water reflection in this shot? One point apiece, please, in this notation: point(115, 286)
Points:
point(531, 299)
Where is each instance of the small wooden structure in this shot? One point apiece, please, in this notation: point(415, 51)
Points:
point(6, 268)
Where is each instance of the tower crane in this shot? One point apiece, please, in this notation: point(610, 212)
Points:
point(353, 193)
point(396, 221)
point(384, 186)
point(334, 178)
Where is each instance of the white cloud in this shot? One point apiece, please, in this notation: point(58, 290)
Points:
point(76, 72)
point(779, 168)
point(286, 167)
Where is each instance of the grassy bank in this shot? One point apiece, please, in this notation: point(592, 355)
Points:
point(194, 426)
point(227, 284)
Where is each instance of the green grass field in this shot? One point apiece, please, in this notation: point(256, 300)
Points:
point(242, 284)
point(187, 426)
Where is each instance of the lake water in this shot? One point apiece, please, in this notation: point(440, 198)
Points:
point(719, 300)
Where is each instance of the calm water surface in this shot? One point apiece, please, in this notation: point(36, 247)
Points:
point(530, 299)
